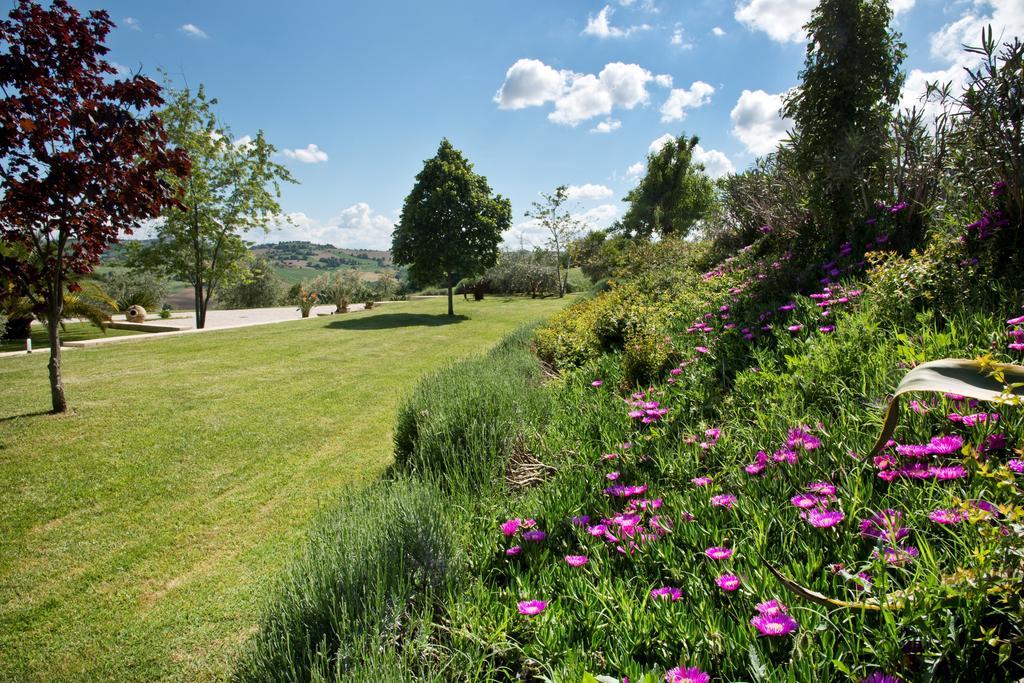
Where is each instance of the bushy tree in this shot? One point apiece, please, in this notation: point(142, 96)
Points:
point(674, 194)
point(135, 288)
point(84, 157)
point(341, 288)
point(451, 224)
point(524, 272)
point(258, 287)
point(842, 110)
point(233, 189)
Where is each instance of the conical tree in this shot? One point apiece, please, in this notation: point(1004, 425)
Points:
point(451, 224)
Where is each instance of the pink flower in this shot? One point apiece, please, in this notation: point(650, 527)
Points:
point(718, 553)
point(667, 593)
point(612, 476)
point(510, 527)
point(514, 550)
point(774, 625)
point(532, 607)
point(795, 328)
point(576, 560)
point(823, 488)
point(686, 675)
point(534, 536)
point(596, 383)
point(703, 349)
point(947, 473)
point(700, 481)
point(725, 500)
point(728, 582)
point(804, 501)
point(942, 516)
point(823, 519)
point(1016, 465)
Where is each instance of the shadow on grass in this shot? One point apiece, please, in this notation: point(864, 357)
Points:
point(38, 413)
point(389, 321)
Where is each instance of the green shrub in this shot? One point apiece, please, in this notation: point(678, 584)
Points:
point(370, 565)
point(135, 288)
point(460, 424)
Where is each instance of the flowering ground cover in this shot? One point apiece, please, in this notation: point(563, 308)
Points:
point(138, 535)
point(720, 520)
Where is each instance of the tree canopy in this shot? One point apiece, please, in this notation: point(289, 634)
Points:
point(451, 224)
point(850, 84)
point(84, 157)
point(674, 194)
point(233, 189)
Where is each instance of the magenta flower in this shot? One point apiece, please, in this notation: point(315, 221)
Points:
point(667, 593)
point(703, 349)
point(822, 488)
point(700, 481)
point(788, 307)
point(827, 329)
point(580, 520)
point(532, 607)
point(718, 553)
point(823, 519)
point(774, 625)
point(686, 675)
point(946, 445)
point(596, 383)
point(884, 526)
point(576, 560)
point(514, 550)
point(1016, 465)
point(948, 473)
point(943, 516)
point(612, 476)
point(879, 677)
point(795, 328)
point(770, 608)
point(804, 501)
point(728, 582)
point(898, 556)
point(534, 536)
point(724, 500)
point(510, 527)
point(1016, 321)
point(801, 438)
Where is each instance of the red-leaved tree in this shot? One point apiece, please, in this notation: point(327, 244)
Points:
point(82, 155)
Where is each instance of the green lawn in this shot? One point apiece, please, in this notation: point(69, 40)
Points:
point(138, 535)
point(71, 332)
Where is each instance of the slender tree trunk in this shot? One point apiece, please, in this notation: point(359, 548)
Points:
point(200, 309)
point(451, 307)
point(60, 403)
point(558, 272)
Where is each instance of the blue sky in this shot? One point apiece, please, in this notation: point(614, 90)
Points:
point(537, 93)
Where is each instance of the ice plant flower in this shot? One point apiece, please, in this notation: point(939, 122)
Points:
point(823, 519)
point(1016, 465)
point(725, 500)
point(946, 445)
point(879, 677)
point(703, 349)
point(510, 527)
point(943, 516)
point(718, 553)
point(667, 593)
point(700, 481)
point(514, 550)
point(596, 383)
point(534, 536)
point(612, 476)
point(822, 488)
point(804, 501)
point(532, 607)
point(947, 473)
point(728, 582)
point(774, 624)
point(795, 328)
point(689, 674)
point(884, 526)
point(576, 560)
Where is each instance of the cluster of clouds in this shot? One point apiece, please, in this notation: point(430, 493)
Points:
point(783, 20)
point(578, 97)
point(310, 154)
point(357, 227)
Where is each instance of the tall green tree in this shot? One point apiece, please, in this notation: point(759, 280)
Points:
point(554, 215)
point(673, 195)
point(850, 85)
point(233, 189)
point(451, 224)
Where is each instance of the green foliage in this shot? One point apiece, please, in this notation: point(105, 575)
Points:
point(258, 287)
point(135, 288)
point(461, 425)
point(371, 563)
point(672, 196)
point(451, 225)
point(523, 272)
point(340, 288)
point(598, 254)
point(842, 110)
point(555, 215)
point(233, 189)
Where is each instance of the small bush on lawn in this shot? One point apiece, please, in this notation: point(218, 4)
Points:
point(460, 424)
point(371, 565)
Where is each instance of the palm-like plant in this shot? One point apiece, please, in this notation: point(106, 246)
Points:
point(89, 303)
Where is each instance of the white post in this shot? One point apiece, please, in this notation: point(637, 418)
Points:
point(28, 345)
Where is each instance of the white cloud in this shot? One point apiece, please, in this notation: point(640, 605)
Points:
point(357, 227)
point(588, 192)
point(679, 39)
point(529, 83)
point(716, 164)
point(587, 96)
point(598, 217)
point(664, 80)
point(635, 170)
point(193, 31)
point(757, 122)
point(658, 143)
point(607, 126)
point(1007, 20)
point(244, 142)
point(132, 23)
point(600, 25)
point(783, 20)
point(680, 99)
point(121, 71)
point(718, 31)
point(310, 154)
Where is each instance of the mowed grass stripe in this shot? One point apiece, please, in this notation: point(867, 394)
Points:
point(140, 534)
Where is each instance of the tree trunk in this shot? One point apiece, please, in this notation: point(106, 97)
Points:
point(451, 307)
point(60, 404)
point(200, 312)
point(558, 272)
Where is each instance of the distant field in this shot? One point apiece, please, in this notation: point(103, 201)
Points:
point(139, 535)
